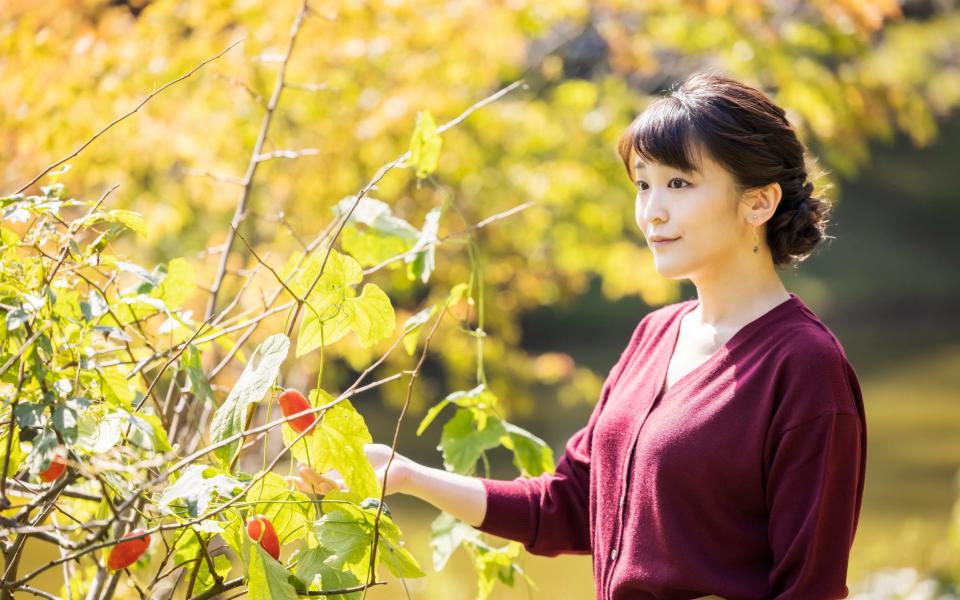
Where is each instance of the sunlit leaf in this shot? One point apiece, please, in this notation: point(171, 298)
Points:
point(257, 377)
point(463, 443)
point(198, 486)
point(447, 533)
point(531, 455)
point(425, 145)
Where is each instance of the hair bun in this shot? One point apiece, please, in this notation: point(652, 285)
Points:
point(799, 223)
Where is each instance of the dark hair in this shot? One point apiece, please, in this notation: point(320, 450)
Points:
point(747, 134)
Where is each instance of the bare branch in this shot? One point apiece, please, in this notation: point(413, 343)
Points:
point(253, 163)
point(287, 154)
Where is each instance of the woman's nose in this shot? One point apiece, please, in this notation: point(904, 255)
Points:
point(652, 209)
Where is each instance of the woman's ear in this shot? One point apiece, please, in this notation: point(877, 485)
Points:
point(762, 201)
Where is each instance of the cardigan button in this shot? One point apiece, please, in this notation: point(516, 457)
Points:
point(613, 554)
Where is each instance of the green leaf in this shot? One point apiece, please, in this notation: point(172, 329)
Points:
point(371, 247)
point(127, 218)
point(335, 310)
point(177, 284)
point(234, 530)
point(531, 455)
point(446, 534)
point(425, 144)
point(16, 318)
point(431, 415)
point(16, 454)
point(147, 432)
point(99, 434)
point(254, 382)
point(463, 443)
point(43, 451)
point(8, 237)
point(337, 442)
point(115, 387)
point(94, 306)
point(289, 510)
point(197, 487)
point(65, 421)
point(493, 564)
point(188, 549)
point(199, 384)
point(346, 531)
point(267, 579)
point(29, 415)
point(377, 215)
point(458, 293)
point(479, 397)
point(313, 570)
point(412, 326)
point(423, 263)
point(340, 271)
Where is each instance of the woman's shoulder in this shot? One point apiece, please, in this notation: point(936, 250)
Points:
point(805, 342)
point(814, 375)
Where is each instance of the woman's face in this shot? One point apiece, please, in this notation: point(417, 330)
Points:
point(697, 208)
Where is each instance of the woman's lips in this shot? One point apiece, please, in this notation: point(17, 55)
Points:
point(663, 242)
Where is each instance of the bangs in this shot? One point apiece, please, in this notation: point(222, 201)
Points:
point(663, 133)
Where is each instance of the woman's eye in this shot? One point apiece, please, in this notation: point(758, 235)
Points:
point(641, 184)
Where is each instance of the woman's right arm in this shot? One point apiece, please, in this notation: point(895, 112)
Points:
point(463, 497)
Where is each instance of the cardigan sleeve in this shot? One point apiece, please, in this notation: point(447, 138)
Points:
point(814, 492)
point(549, 514)
point(815, 472)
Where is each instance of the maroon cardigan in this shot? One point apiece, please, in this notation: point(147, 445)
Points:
point(744, 480)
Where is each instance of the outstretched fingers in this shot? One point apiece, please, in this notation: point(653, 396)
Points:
point(312, 482)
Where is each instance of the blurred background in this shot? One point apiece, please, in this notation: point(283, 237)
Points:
point(872, 87)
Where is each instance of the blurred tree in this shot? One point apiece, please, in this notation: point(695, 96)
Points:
point(849, 72)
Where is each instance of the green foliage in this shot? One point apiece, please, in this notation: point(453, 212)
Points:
point(256, 379)
point(475, 428)
point(346, 531)
point(425, 145)
point(315, 571)
point(531, 455)
point(198, 485)
point(188, 550)
point(464, 440)
point(447, 533)
point(333, 307)
point(267, 579)
point(495, 564)
point(83, 328)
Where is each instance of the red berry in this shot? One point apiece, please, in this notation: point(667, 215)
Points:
point(57, 465)
point(260, 529)
point(293, 402)
point(126, 553)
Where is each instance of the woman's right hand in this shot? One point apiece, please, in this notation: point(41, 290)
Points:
point(377, 455)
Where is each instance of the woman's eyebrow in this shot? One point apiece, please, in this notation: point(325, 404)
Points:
point(639, 165)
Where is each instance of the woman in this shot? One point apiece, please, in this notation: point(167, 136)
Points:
point(726, 455)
